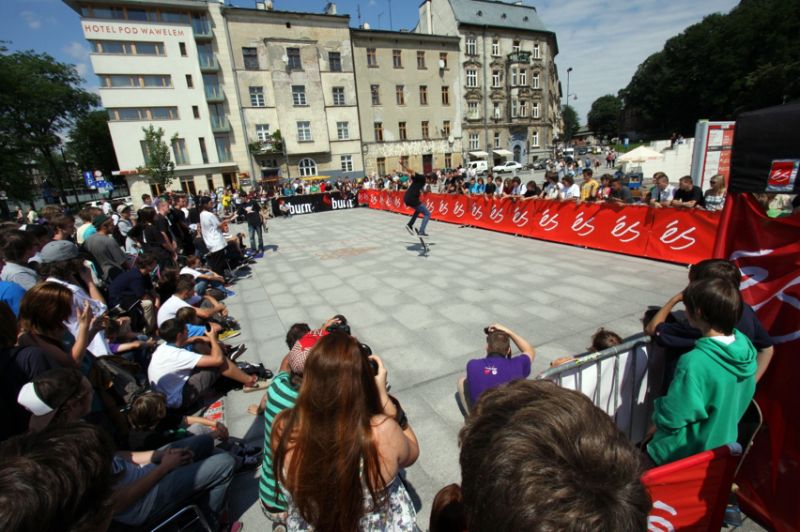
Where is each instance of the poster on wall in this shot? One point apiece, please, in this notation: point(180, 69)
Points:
point(713, 146)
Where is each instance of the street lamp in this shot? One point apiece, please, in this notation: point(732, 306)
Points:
point(567, 98)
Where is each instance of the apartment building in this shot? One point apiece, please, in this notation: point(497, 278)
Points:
point(510, 83)
point(409, 100)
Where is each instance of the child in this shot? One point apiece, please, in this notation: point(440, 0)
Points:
point(714, 382)
point(124, 342)
point(197, 334)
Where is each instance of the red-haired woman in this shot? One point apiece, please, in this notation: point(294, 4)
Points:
point(339, 450)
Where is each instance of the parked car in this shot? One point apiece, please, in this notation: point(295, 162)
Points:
point(508, 166)
point(480, 166)
point(583, 150)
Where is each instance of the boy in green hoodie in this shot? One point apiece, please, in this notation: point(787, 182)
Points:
point(714, 382)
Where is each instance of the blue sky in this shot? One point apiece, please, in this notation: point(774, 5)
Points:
point(602, 40)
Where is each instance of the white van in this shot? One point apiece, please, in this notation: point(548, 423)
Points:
point(480, 166)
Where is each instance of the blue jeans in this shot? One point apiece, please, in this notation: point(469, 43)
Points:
point(202, 285)
point(253, 231)
point(426, 215)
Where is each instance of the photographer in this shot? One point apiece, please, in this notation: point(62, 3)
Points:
point(498, 367)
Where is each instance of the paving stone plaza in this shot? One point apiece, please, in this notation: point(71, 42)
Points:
point(424, 315)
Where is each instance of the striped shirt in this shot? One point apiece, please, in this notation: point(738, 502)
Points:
point(281, 395)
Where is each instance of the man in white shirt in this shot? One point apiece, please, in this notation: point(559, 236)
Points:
point(211, 230)
point(184, 291)
point(183, 376)
point(663, 193)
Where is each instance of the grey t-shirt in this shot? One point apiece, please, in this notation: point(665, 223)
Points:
point(106, 252)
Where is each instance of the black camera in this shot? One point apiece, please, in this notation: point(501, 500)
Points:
point(342, 326)
point(367, 352)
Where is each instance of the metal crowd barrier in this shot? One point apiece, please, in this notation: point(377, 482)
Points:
point(622, 381)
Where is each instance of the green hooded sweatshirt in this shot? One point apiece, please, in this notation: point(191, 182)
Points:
point(713, 386)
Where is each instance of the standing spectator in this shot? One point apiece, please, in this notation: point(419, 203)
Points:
point(490, 187)
point(63, 227)
point(620, 193)
point(498, 186)
point(150, 238)
point(688, 194)
point(663, 193)
point(571, 190)
point(532, 190)
point(552, 188)
point(211, 231)
point(18, 248)
point(255, 224)
point(105, 250)
point(715, 196)
point(589, 186)
point(86, 229)
point(147, 200)
point(604, 190)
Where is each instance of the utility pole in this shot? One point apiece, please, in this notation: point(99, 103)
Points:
point(391, 24)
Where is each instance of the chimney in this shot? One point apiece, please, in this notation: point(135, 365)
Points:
point(330, 8)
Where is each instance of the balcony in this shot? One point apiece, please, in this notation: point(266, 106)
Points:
point(220, 124)
point(208, 63)
point(214, 94)
point(202, 29)
point(519, 57)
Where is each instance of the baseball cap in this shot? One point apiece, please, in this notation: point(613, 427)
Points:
point(59, 250)
point(99, 220)
point(302, 347)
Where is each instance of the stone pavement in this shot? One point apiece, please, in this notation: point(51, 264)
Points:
point(425, 315)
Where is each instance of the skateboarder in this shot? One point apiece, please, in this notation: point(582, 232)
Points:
point(412, 200)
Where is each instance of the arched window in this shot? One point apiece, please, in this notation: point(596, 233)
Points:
point(307, 167)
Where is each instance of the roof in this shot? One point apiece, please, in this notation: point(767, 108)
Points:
point(406, 35)
point(497, 14)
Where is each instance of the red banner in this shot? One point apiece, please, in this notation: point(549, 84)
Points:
point(767, 251)
point(666, 234)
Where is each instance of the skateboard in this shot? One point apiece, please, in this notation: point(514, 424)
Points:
point(425, 246)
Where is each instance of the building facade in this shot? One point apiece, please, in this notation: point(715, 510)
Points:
point(510, 83)
point(409, 100)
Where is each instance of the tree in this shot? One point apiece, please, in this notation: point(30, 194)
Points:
point(41, 98)
point(604, 116)
point(159, 167)
point(570, 118)
point(90, 144)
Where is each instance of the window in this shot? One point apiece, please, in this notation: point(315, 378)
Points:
point(495, 78)
point(514, 78)
point(342, 131)
point(262, 132)
point(346, 163)
point(148, 81)
point(195, 111)
point(381, 165)
point(495, 48)
point(335, 61)
point(375, 91)
point(307, 167)
point(423, 95)
point(250, 56)
point(535, 110)
point(523, 109)
point(304, 131)
point(498, 111)
point(338, 96)
point(472, 110)
point(496, 139)
point(523, 77)
point(404, 161)
point(514, 108)
point(471, 45)
point(372, 58)
point(535, 138)
point(445, 95)
point(257, 97)
point(446, 128)
point(147, 48)
point(223, 143)
point(401, 126)
point(515, 47)
point(537, 53)
point(179, 151)
point(535, 81)
point(121, 114)
point(189, 82)
point(400, 94)
point(448, 160)
point(425, 130)
point(474, 141)
point(443, 60)
point(397, 59)
point(420, 60)
point(378, 129)
point(299, 95)
point(204, 152)
point(187, 185)
point(145, 152)
point(182, 47)
point(293, 54)
point(472, 77)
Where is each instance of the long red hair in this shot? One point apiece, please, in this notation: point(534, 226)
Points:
point(329, 435)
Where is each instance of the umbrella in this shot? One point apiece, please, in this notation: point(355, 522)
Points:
point(640, 155)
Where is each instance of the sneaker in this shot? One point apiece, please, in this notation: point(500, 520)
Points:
point(229, 293)
point(410, 230)
point(230, 333)
point(418, 233)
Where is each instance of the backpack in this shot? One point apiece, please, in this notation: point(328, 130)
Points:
point(119, 238)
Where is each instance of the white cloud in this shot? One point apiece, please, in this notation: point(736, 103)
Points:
point(33, 20)
point(605, 41)
point(77, 51)
point(83, 69)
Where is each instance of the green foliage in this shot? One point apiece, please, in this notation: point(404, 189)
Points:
point(570, 118)
point(718, 68)
point(159, 167)
point(40, 99)
point(604, 116)
point(90, 144)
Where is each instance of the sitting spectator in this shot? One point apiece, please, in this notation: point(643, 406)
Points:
point(662, 194)
point(602, 339)
point(498, 366)
point(183, 376)
point(184, 291)
point(134, 289)
point(105, 250)
point(205, 279)
point(620, 193)
point(552, 188)
point(604, 190)
point(56, 397)
point(86, 229)
point(538, 457)
point(571, 190)
point(679, 336)
point(153, 426)
point(40, 234)
point(532, 190)
point(688, 195)
point(490, 187)
point(18, 248)
point(71, 465)
point(447, 511)
point(359, 455)
point(11, 293)
point(63, 227)
point(715, 196)
point(477, 187)
point(151, 239)
point(123, 341)
point(714, 382)
point(589, 186)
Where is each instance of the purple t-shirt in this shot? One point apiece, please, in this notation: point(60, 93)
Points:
point(485, 373)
